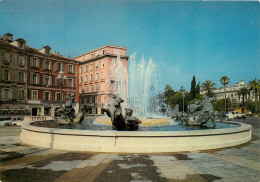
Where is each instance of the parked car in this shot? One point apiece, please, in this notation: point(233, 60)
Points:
point(14, 121)
point(236, 115)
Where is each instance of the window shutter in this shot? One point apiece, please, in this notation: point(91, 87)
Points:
point(3, 74)
point(39, 79)
point(73, 69)
point(9, 75)
point(50, 77)
point(10, 93)
point(50, 97)
point(31, 78)
point(73, 83)
point(62, 67)
point(67, 68)
point(38, 63)
point(50, 65)
point(31, 61)
point(3, 93)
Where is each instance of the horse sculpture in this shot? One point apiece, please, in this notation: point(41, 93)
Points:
point(200, 113)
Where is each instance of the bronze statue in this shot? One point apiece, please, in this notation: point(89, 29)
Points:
point(200, 113)
point(114, 111)
point(67, 114)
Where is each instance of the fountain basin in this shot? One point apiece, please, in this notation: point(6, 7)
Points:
point(134, 141)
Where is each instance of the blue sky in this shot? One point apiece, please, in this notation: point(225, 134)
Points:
point(205, 39)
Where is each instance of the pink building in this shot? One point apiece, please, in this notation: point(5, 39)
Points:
point(99, 70)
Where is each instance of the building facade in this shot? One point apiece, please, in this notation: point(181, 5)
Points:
point(232, 92)
point(43, 85)
point(28, 78)
point(99, 71)
point(13, 69)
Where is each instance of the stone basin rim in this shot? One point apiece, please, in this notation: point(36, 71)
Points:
point(80, 132)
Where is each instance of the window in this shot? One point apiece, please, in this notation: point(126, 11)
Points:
point(34, 79)
point(96, 89)
point(90, 77)
point(90, 88)
point(20, 77)
point(86, 78)
point(21, 94)
point(104, 52)
point(86, 88)
point(102, 86)
point(7, 57)
point(70, 82)
point(80, 79)
point(47, 65)
point(34, 94)
point(96, 76)
point(35, 62)
point(46, 80)
point(46, 95)
point(6, 75)
point(57, 96)
point(86, 68)
point(91, 67)
point(96, 99)
point(20, 60)
point(96, 65)
point(70, 69)
point(102, 75)
point(81, 70)
point(90, 99)
point(103, 64)
point(7, 93)
point(59, 67)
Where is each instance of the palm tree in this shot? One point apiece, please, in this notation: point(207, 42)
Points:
point(244, 92)
point(254, 85)
point(224, 80)
point(208, 86)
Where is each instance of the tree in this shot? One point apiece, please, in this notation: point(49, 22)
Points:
point(208, 87)
point(168, 92)
point(224, 80)
point(198, 96)
point(254, 85)
point(193, 88)
point(243, 92)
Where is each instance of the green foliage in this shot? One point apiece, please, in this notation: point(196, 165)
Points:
point(193, 88)
point(178, 99)
point(224, 80)
point(219, 105)
point(244, 92)
point(250, 106)
point(168, 92)
point(198, 89)
point(208, 86)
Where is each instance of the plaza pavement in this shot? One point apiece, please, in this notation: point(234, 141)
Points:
point(20, 162)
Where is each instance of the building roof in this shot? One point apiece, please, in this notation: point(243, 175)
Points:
point(102, 47)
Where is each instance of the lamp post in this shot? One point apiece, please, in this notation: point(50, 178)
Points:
point(61, 77)
point(183, 95)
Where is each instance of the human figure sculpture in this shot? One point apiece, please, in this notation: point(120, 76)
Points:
point(67, 114)
point(200, 113)
point(114, 111)
point(132, 123)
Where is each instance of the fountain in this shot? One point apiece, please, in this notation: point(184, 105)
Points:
point(73, 134)
point(142, 82)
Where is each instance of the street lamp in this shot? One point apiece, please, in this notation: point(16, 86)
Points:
point(61, 77)
point(183, 95)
